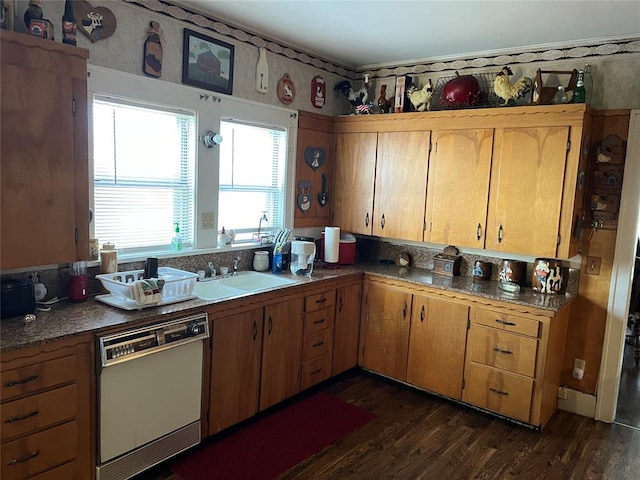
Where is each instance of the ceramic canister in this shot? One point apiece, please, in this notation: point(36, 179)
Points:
point(512, 271)
point(547, 276)
point(481, 270)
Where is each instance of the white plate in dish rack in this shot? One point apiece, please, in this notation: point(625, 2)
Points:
point(127, 304)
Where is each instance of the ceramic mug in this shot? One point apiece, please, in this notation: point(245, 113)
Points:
point(512, 271)
point(547, 276)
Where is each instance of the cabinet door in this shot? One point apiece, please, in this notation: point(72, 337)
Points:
point(385, 331)
point(346, 328)
point(437, 347)
point(44, 184)
point(353, 184)
point(235, 369)
point(527, 179)
point(281, 352)
point(401, 184)
point(458, 189)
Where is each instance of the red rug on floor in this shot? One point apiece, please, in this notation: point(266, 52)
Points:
point(274, 443)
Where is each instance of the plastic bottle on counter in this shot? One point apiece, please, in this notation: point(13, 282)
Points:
point(176, 242)
point(108, 258)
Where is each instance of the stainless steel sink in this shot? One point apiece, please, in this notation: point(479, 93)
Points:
point(241, 283)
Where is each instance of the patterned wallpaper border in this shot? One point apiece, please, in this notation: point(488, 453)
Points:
point(571, 52)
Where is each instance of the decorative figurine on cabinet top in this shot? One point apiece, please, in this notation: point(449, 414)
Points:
point(508, 91)
point(421, 99)
point(359, 99)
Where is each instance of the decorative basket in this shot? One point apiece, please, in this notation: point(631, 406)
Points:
point(486, 98)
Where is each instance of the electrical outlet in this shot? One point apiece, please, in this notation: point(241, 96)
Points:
point(562, 393)
point(593, 265)
point(579, 364)
point(207, 221)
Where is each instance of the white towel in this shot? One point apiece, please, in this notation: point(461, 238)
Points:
point(146, 292)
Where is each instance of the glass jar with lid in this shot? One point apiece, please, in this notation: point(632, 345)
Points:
point(108, 258)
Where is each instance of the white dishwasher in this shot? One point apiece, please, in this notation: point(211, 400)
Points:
point(149, 395)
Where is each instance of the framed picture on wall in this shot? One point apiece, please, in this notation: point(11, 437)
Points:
point(207, 62)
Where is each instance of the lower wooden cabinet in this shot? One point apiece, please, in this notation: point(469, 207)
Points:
point(317, 339)
point(437, 346)
point(281, 347)
point(235, 369)
point(514, 362)
point(46, 412)
point(346, 328)
point(384, 337)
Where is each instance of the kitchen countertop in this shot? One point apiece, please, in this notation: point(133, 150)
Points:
point(67, 319)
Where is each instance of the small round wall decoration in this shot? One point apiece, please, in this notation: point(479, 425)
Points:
point(286, 89)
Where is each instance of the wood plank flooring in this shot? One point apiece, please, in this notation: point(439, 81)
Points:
point(418, 436)
point(628, 410)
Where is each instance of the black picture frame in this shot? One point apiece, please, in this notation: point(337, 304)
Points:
point(207, 62)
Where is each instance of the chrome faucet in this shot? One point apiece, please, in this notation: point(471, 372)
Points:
point(212, 269)
point(235, 265)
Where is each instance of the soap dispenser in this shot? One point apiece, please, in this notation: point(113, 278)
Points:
point(176, 242)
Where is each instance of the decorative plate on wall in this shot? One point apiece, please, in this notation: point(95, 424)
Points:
point(286, 89)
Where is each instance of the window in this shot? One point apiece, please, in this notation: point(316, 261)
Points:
point(144, 175)
point(252, 173)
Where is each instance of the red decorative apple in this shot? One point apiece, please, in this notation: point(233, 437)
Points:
point(462, 91)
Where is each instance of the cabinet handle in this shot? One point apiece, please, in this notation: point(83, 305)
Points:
point(23, 417)
point(24, 459)
point(366, 220)
point(500, 234)
point(322, 300)
point(504, 322)
point(319, 344)
point(499, 350)
point(20, 382)
point(340, 304)
point(422, 313)
point(404, 309)
point(318, 322)
point(270, 324)
point(479, 231)
point(255, 329)
point(382, 222)
point(499, 392)
point(315, 372)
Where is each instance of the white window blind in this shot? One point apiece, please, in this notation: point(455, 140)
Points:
point(144, 173)
point(252, 177)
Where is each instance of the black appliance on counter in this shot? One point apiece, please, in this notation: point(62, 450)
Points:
point(18, 297)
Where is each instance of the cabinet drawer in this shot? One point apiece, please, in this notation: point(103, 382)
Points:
point(316, 371)
point(319, 320)
point(39, 452)
point(38, 411)
point(316, 345)
point(38, 377)
point(504, 350)
point(498, 391)
point(503, 321)
point(320, 301)
point(68, 471)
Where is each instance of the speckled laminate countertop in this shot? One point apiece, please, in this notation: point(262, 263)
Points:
point(68, 319)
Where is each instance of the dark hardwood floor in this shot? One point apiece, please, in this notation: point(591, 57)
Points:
point(628, 410)
point(418, 436)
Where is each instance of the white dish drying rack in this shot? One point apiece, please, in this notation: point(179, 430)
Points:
point(178, 287)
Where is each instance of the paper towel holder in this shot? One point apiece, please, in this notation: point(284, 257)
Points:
point(327, 264)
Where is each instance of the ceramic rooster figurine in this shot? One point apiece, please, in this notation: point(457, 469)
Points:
point(506, 90)
point(421, 99)
point(359, 99)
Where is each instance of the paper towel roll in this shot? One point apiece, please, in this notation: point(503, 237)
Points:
point(331, 244)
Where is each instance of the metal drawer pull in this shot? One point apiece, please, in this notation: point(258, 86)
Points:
point(322, 300)
point(382, 222)
point(499, 392)
point(318, 322)
point(500, 234)
point(319, 344)
point(20, 382)
point(255, 329)
point(23, 417)
point(479, 232)
point(404, 309)
point(504, 322)
point(315, 372)
point(499, 350)
point(270, 324)
point(340, 305)
point(24, 459)
point(366, 220)
point(422, 314)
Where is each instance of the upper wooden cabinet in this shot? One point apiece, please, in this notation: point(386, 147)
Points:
point(45, 182)
point(506, 179)
point(459, 172)
point(315, 144)
point(354, 180)
point(526, 190)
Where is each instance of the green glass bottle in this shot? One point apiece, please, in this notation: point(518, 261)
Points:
point(580, 93)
